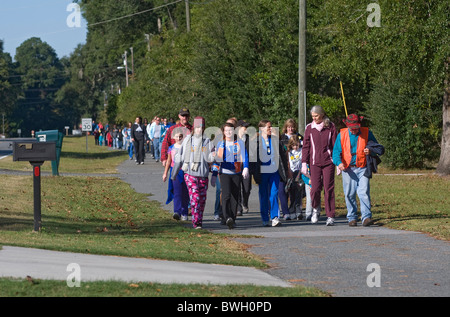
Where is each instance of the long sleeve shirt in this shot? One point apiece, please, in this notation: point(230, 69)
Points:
point(318, 145)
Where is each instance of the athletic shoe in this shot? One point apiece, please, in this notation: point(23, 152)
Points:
point(287, 217)
point(352, 223)
point(330, 221)
point(176, 216)
point(230, 223)
point(315, 216)
point(184, 218)
point(276, 222)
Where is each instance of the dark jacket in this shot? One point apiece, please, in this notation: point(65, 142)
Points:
point(255, 167)
point(373, 159)
point(139, 135)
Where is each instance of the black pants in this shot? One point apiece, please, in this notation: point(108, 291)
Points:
point(231, 188)
point(139, 149)
point(246, 187)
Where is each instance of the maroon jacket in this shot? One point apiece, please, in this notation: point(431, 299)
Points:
point(318, 146)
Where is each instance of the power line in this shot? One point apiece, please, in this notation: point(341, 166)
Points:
point(133, 14)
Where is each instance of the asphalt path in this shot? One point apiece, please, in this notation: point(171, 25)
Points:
point(342, 260)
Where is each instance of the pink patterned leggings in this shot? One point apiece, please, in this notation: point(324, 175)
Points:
point(197, 187)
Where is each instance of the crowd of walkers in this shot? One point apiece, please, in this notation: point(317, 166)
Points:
point(138, 138)
point(286, 165)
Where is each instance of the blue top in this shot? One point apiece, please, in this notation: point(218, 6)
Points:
point(232, 152)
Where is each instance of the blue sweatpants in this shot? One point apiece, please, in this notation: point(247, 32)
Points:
point(268, 195)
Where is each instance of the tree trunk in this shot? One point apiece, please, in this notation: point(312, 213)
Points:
point(443, 167)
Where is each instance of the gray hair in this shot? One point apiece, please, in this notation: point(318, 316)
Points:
point(319, 110)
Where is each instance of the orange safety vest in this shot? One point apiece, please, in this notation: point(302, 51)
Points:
point(346, 147)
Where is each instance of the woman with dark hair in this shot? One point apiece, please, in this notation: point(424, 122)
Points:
point(267, 172)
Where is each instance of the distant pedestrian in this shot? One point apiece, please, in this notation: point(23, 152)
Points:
point(139, 138)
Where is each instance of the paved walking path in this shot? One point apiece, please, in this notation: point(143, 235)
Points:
point(336, 259)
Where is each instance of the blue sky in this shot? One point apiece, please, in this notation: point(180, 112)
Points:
point(46, 19)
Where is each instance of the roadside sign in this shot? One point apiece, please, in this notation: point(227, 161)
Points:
point(86, 124)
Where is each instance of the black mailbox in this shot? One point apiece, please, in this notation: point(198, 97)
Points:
point(34, 151)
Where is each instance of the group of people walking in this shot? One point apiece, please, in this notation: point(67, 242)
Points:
point(136, 138)
point(285, 164)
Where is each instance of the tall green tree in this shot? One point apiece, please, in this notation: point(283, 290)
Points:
point(401, 62)
point(8, 89)
point(41, 76)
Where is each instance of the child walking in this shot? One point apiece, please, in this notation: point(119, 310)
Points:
point(193, 158)
point(295, 182)
point(177, 189)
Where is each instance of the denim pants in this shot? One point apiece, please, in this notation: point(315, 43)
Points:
point(355, 183)
point(156, 148)
point(268, 195)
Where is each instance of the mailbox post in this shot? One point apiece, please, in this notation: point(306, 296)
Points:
point(36, 153)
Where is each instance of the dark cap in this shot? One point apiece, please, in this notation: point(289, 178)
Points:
point(185, 112)
point(243, 123)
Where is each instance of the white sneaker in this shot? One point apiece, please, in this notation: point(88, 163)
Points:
point(315, 216)
point(276, 222)
point(184, 218)
point(329, 222)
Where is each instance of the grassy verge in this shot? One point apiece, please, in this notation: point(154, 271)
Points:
point(103, 215)
point(75, 159)
point(40, 288)
point(416, 203)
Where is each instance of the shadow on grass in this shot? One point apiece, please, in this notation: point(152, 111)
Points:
point(60, 225)
point(83, 155)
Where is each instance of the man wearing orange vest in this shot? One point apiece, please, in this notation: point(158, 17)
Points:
point(349, 155)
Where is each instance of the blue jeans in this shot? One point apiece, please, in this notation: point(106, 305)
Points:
point(157, 148)
point(268, 195)
point(355, 183)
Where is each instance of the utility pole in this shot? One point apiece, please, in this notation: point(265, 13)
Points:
point(132, 63)
point(126, 66)
point(302, 67)
point(188, 16)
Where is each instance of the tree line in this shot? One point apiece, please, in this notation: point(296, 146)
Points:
point(240, 58)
